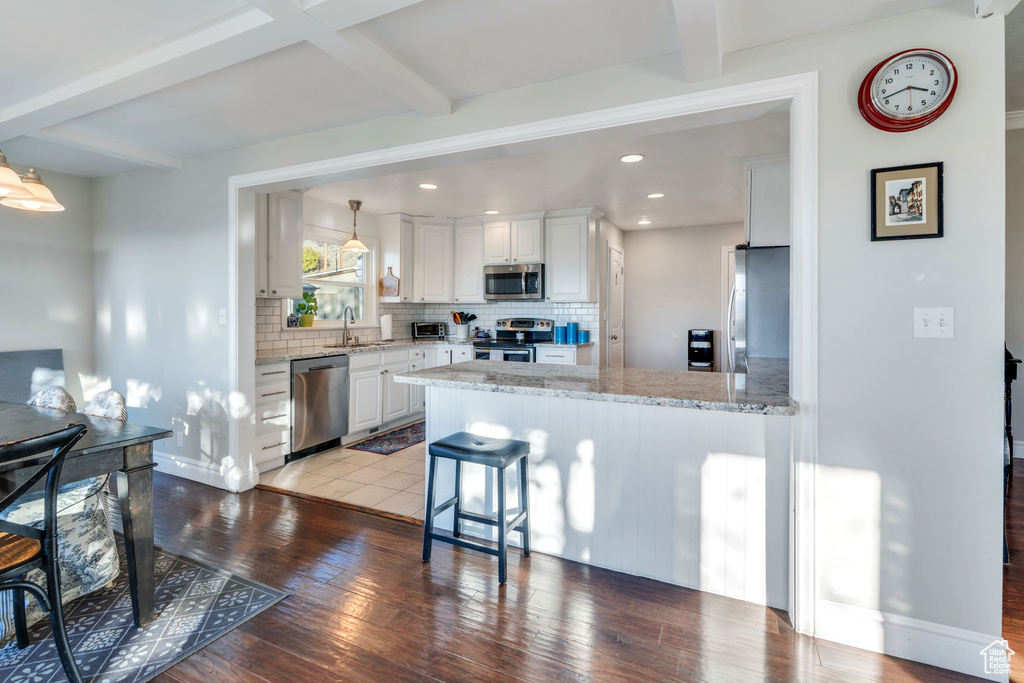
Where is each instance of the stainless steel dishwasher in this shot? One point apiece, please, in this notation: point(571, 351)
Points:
point(319, 401)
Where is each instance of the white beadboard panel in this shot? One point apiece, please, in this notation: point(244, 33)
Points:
point(694, 498)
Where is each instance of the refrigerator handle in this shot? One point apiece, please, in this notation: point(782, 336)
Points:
point(731, 333)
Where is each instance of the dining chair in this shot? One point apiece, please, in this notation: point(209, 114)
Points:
point(109, 404)
point(54, 397)
point(25, 548)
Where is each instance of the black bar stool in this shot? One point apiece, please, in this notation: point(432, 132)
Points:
point(499, 454)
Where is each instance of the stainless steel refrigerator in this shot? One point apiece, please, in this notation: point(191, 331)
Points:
point(758, 313)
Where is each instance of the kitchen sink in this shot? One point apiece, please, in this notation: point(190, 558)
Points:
point(359, 345)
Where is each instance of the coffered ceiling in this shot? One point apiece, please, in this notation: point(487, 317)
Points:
point(102, 86)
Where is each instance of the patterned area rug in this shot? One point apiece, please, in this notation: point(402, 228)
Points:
point(392, 442)
point(196, 604)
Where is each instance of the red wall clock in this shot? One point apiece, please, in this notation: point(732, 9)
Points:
point(908, 90)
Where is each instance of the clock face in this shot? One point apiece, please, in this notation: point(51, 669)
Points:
point(908, 91)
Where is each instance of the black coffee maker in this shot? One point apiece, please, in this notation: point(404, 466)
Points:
point(700, 353)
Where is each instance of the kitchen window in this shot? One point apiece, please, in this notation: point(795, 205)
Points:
point(338, 278)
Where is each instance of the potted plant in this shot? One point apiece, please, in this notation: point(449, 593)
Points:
point(306, 309)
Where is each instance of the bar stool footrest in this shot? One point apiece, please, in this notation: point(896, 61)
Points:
point(493, 521)
point(445, 505)
point(464, 544)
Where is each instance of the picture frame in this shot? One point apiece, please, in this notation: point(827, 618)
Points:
point(906, 202)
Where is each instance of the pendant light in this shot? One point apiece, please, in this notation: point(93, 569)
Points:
point(41, 200)
point(354, 244)
point(10, 184)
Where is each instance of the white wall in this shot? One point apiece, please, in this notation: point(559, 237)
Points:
point(914, 425)
point(1015, 270)
point(674, 285)
point(46, 280)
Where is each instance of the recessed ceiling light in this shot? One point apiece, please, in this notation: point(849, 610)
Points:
point(643, 222)
point(491, 212)
point(428, 186)
point(656, 195)
point(631, 158)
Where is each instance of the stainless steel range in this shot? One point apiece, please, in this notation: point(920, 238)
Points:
point(516, 339)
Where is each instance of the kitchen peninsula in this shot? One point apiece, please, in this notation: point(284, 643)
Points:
point(676, 476)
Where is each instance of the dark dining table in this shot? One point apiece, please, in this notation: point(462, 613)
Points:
point(108, 446)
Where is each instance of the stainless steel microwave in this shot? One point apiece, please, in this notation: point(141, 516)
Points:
point(519, 282)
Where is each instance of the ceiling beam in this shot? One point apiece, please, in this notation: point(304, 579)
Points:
point(697, 25)
point(91, 143)
point(232, 40)
point(365, 58)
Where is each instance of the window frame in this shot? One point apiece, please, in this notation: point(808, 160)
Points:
point(370, 300)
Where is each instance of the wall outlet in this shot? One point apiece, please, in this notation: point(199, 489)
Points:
point(181, 439)
point(934, 323)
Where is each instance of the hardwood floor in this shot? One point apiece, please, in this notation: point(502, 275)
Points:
point(363, 607)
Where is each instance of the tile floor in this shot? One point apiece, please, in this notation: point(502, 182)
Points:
point(391, 483)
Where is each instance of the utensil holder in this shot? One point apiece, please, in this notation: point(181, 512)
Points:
point(462, 332)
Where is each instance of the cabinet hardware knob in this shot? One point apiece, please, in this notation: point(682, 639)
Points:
point(456, 299)
point(263, 291)
point(516, 260)
point(506, 260)
point(549, 298)
point(421, 298)
point(274, 291)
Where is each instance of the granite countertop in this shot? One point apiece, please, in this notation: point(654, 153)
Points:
point(763, 391)
point(384, 346)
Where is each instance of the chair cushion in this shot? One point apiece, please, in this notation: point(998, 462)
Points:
point(16, 549)
point(482, 450)
point(29, 510)
point(53, 397)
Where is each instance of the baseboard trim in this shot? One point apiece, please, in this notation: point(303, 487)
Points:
point(900, 636)
point(205, 473)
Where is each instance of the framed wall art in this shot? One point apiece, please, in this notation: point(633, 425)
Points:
point(906, 202)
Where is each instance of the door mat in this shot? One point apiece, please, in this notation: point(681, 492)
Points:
point(195, 604)
point(392, 442)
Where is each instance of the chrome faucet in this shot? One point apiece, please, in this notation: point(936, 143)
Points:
point(346, 316)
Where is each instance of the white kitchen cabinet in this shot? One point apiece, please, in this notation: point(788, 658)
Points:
point(279, 245)
point(767, 215)
point(396, 396)
point(570, 270)
point(366, 407)
point(430, 357)
point(432, 260)
point(273, 414)
point(564, 355)
point(518, 239)
point(453, 353)
point(396, 252)
point(417, 392)
point(468, 276)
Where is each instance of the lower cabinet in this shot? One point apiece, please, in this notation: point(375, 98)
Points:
point(562, 355)
point(273, 412)
point(375, 397)
point(453, 353)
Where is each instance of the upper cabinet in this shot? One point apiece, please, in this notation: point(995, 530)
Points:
point(279, 245)
point(767, 218)
point(468, 276)
point(517, 239)
point(396, 253)
point(432, 260)
point(570, 271)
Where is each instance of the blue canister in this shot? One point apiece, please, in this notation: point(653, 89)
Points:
point(559, 335)
point(584, 336)
point(572, 333)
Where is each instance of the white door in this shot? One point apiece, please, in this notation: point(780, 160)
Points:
point(497, 242)
point(468, 284)
point(396, 395)
point(567, 267)
point(284, 252)
point(527, 242)
point(616, 308)
point(432, 244)
point(364, 410)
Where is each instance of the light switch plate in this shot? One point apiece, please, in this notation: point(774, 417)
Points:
point(935, 323)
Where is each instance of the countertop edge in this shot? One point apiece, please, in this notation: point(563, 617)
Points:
point(396, 346)
point(694, 404)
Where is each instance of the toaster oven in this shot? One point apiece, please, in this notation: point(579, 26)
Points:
point(429, 330)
